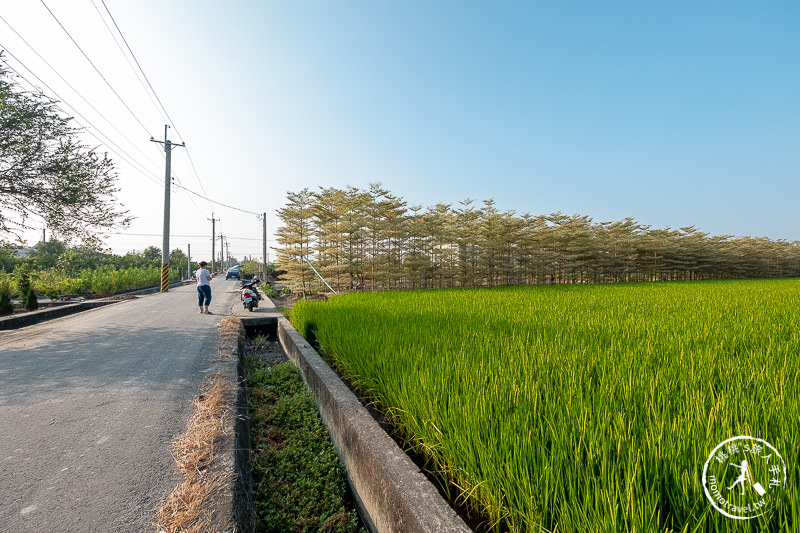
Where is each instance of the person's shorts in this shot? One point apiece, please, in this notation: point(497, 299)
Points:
point(203, 294)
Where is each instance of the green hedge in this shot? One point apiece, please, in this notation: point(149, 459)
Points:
point(104, 281)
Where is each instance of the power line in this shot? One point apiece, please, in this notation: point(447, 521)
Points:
point(140, 67)
point(154, 235)
point(119, 151)
point(70, 86)
point(175, 127)
point(95, 68)
point(124, 234)
point(127, 59)
point(218, 203)
point(151, 93)
point(178, 185)
point(243, 238)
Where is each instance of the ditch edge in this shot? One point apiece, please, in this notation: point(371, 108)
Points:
point(234, 511)
point(392, 494)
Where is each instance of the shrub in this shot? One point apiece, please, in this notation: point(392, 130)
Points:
point(23, 276)
point(31, 302)
point(6, 307)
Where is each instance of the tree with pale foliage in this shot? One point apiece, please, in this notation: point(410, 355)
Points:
point(373, 240)
point(296, 235)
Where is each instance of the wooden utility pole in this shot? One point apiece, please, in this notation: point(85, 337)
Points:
point(213, 240)
point(167, 186)
point(264, 247)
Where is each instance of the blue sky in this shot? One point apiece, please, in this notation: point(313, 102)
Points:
point(675, 114)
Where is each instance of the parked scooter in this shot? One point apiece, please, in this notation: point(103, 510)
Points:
point(250, 295)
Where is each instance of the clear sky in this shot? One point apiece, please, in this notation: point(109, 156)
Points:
point(673, 113)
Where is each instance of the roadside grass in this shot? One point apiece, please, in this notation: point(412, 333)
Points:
point(300, 485)
point(186, 509)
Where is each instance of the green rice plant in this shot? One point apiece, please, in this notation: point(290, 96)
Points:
point(580, 408)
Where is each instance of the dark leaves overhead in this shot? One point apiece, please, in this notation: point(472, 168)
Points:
point(46, 172)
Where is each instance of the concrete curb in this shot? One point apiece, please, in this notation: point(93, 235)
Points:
point(391, 492)
point(57, 311)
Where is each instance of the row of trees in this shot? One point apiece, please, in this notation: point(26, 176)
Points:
point(55, 255)
point(53, 269)
point(372, 239)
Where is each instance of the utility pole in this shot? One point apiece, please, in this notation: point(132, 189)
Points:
point(188, 261)
point(213, 240)
point(221, 251)
point(264, 246)
point(167, 183)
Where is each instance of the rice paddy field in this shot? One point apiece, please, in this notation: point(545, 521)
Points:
point(584, 408)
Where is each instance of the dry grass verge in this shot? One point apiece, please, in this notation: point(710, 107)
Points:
point(188, 509)
point(185, 509)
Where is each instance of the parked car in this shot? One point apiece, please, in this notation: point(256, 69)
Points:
point(233, 273)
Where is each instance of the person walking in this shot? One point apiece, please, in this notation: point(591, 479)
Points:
point(203, 288)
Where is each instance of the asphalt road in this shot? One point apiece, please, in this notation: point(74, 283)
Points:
point(89, 405)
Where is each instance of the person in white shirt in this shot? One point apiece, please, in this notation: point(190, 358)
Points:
point(203, 288)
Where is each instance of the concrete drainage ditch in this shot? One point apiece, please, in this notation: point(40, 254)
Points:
point(392, 494)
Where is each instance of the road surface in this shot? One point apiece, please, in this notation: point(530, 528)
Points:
point(89, 405)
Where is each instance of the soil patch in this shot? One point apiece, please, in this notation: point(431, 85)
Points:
point(266, 348)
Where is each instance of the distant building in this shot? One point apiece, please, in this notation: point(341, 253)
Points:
point(22, 252)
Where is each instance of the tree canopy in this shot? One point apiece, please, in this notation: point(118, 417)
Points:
point(372, 240)
point(46, 172)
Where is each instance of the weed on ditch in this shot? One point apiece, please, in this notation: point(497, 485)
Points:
point(300, 485)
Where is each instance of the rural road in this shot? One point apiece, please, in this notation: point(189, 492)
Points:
point(89, 405)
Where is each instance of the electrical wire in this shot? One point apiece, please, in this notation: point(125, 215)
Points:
point(127, 59)
point(108, 142)
point(138, 65)
point(155, 235)
point(188, 154)
point(71, 87)
point(119, 151)
point(177, 185)
point(191, 199)
point(95, 68)
point(218, 203)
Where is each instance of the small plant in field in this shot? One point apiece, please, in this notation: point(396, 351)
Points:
point(23, 279)
point(23, 275)
point(259, 342)
point(270, 291)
